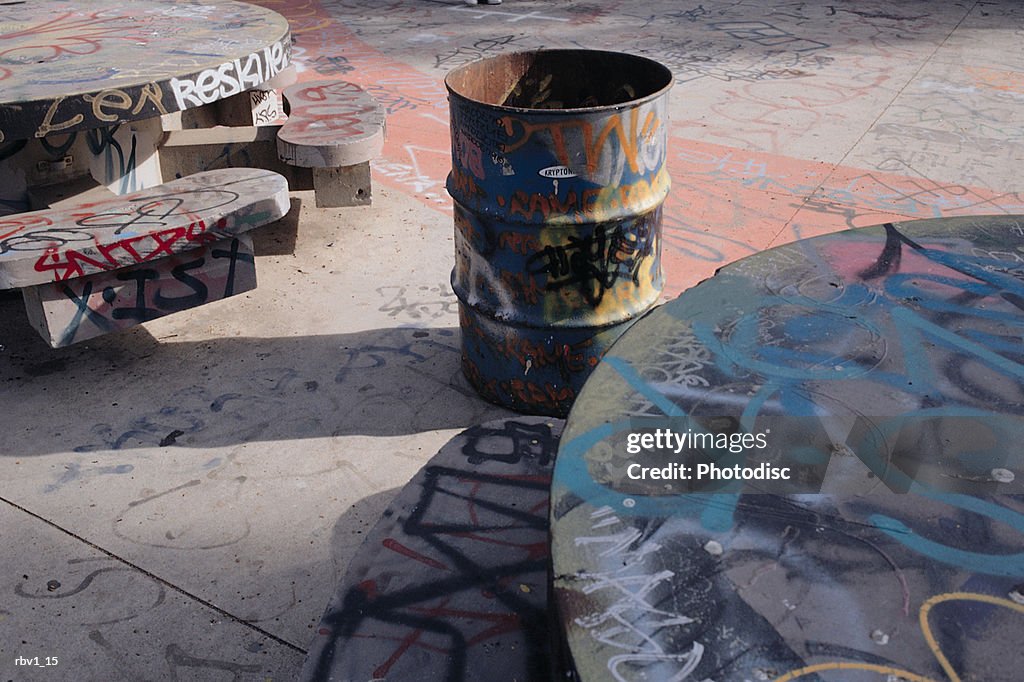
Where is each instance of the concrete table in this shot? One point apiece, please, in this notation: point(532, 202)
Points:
point(93, 87)
point(883, 368)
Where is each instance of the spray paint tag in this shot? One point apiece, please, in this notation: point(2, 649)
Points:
point(556, 172)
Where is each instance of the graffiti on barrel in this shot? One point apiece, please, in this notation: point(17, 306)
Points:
point(558, 177)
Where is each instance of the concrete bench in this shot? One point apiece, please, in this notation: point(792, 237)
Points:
point(93, 267)
point(335, 128)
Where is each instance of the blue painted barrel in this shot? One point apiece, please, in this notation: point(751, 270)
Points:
point(558, 180)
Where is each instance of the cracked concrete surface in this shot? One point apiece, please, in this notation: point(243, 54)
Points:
point(179, 501)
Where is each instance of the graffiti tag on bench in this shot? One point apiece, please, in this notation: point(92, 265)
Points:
point(330, 124)
point(74, 310)
point(57, 245)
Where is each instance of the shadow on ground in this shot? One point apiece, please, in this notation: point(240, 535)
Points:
point(130, 390)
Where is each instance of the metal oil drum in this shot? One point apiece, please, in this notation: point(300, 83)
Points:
point(558, 180)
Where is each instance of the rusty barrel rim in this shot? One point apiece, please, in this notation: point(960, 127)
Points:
point(471, 75)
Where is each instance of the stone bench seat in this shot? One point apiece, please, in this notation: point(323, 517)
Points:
point(93, 267)
point(335, 128)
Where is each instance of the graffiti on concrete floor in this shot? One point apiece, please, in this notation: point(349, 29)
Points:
point(452, 583)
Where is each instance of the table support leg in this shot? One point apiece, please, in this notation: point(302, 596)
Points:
point(343, 186)
point(125, 158)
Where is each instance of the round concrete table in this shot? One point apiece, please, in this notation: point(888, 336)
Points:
point(883, 369)
point(67, 65)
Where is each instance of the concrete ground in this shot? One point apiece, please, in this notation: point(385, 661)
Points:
point(180, 501)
